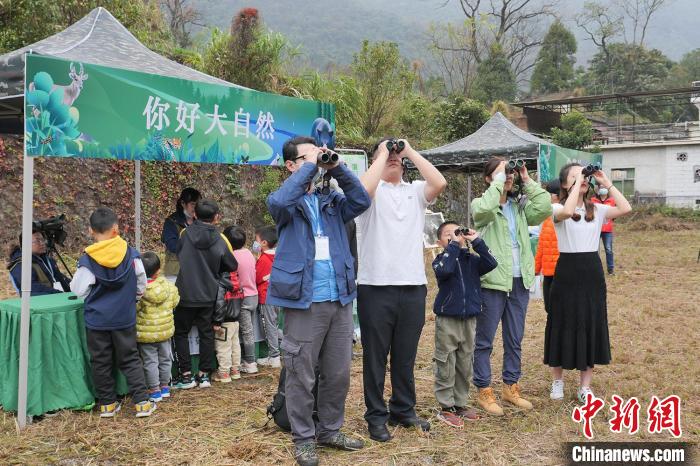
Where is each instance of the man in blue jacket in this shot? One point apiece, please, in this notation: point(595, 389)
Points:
point(313, 279)
point(457, 304)
point(46, 277)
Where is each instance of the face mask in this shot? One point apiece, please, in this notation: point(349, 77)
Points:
point(257, 248)
point(603, 192)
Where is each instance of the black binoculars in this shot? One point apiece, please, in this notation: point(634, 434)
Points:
point(589, 170)
point(328, 156)
point(393, 145)
point(513, 165)
point(462, 231)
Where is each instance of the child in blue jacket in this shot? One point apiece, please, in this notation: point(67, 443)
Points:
point(457, 304)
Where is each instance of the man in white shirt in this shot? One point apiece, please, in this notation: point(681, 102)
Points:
point(392, 282)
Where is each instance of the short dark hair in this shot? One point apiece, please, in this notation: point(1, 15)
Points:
point(269, 234)
point(289, 149)
point(553, 187)
point(187, 195)
point(443, 225)
point(102, 219)
point(235, 235)
point(206, 210)
point(151, 263)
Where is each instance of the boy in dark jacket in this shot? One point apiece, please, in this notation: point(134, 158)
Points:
point(110, 279)
point(457, 304)
point(204, 255)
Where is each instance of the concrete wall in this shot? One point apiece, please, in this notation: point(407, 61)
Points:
point(658, 175)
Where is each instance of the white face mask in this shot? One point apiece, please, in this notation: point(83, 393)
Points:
point(257, 248)
point(603, 192)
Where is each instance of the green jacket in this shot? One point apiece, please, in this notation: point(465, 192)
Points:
point(493, 228)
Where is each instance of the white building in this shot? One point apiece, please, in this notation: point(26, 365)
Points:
point(666, 172)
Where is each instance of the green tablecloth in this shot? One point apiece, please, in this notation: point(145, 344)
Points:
point(59, 363)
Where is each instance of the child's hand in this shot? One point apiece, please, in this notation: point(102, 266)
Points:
point(216, 328)
point(266, 278)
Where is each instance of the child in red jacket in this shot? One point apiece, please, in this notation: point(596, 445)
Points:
point(547, 247)
point(265, 242)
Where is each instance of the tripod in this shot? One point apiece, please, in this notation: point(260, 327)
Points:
point(51, 249)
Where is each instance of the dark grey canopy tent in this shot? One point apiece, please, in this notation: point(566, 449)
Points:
point(498, 136)
point(98, 38)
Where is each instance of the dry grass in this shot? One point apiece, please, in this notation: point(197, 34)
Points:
point(654, 326)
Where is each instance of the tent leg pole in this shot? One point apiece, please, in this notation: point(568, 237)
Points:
point(137, 202)
point(26, 287)
point(469, 200)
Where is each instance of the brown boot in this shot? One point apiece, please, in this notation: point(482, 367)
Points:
point(487, 402)
point(511, 394)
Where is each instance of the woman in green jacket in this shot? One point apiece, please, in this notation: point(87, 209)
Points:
point(502, 216)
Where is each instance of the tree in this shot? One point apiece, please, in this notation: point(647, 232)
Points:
point(514, 25)
point(495, 80)
point(249, 55)
point(383, 78)
point(576, 131)
point(686, 70)
point(181, 17)
point(23, 22)
point(554, 70)
point(459, 117)
point(627, 68)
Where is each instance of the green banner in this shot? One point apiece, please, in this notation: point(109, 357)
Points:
point(83, 110)
point(553, 158)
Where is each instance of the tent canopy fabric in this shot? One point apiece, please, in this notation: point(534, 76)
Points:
point(98, 38)
point(498, 136)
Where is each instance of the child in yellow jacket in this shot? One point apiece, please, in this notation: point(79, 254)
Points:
point(155, 327)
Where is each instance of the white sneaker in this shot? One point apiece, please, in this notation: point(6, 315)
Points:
point(557, 392)
point(249, 368)
point(583, 393)
point(275, 362)
point(263, 362)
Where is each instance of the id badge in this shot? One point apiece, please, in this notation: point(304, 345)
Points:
point(57, 286)
point(323, 251)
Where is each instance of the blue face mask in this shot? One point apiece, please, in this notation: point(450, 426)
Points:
point(257, 248)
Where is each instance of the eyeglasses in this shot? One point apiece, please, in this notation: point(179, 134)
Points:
point(39, 241)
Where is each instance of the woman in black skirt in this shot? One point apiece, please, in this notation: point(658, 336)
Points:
point(576, 336)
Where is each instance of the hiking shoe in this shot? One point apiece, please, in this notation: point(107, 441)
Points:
point(249, 368)
point(144, 408)
point(235, 373)
point(557, 392)
point(487, 401)
point(583, 394)
point(468, 414)
point(305, 454)
point(275, 362)
point(155, 396)
point(110, 410)
point(410, 422)
point(164, 392)
point(185, 382)
point(343, 442)
point(203, 381)
point(263, 362)
point(511, 394)
point(449, 417)
point(222, 376)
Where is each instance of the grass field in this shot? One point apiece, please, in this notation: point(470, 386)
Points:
point(654, 315)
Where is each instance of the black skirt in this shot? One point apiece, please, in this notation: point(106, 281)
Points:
point(576, 336)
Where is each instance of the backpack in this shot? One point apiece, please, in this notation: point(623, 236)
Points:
point(228, 299)
point(277, 410)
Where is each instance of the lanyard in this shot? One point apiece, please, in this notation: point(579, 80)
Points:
point(47, 263)
point(312, 201)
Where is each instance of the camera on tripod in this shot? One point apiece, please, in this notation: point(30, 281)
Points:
point(52, 229)
point(392, 145)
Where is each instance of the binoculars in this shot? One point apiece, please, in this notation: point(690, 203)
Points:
point(513, 165)
point(589, 170)
point(393, 145)
point(462, 231)
point(328, 156)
